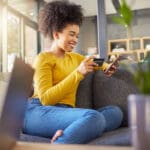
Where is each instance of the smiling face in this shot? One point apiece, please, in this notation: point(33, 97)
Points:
point(67, 39)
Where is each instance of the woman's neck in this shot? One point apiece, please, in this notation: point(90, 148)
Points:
point(57, 51)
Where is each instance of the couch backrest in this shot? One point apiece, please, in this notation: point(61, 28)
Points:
point(84, 92)
point(113, 90)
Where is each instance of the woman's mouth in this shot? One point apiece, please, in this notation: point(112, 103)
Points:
point(72, 45)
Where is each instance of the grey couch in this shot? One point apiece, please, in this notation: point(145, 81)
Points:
point(98, 90)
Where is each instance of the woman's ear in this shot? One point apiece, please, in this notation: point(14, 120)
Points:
point(55, 35)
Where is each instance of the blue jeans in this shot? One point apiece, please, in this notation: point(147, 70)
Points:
point(79, 125)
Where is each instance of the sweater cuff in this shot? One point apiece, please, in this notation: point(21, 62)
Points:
point(79, 75)
point(105, 66)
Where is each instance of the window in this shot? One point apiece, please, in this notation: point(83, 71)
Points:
point(13, 39)
point(30, 44)
point(28, 8)
point(46, 43)
point(0, 37)
point(18, 31)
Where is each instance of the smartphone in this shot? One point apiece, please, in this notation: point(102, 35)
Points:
point(99, 61)
point(115, 62)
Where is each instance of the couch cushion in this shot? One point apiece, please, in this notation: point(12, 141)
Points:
point(84, 92)
point(31, 138)
point(113, 90)
point(120, 137)
point(117, 137)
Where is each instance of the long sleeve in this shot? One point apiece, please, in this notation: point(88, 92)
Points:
point(48, 93)
point(56, 80)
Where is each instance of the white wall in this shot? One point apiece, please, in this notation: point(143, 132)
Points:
point(90, 6)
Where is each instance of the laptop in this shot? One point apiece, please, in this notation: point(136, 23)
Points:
point(14, 103)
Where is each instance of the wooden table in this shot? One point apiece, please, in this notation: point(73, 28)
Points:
point(44, 146)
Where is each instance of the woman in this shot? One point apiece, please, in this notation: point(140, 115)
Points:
point(58, 73)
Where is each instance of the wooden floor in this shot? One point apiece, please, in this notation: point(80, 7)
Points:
point(43, 146)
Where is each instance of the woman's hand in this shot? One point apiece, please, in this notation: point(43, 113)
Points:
point(87, 65)
point(111, 70)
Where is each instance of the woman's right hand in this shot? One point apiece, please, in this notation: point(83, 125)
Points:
point(87, 65)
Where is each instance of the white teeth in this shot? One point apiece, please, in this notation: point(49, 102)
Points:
point(72, 45)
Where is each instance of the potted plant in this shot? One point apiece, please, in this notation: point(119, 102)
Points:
point(140, 72)
point(139, 105)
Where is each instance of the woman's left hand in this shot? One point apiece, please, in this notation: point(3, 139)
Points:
point(111, 69)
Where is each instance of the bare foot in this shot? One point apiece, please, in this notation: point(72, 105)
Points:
point(56, 135)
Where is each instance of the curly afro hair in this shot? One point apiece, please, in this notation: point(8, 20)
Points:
point(55, 15)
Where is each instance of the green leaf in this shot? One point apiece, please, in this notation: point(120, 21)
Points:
point(142, 76)
point(119, 20)
point(125, 15)
point(125, 12)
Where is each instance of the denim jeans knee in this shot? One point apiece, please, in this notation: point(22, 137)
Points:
point(84, 129)
point(113, 116)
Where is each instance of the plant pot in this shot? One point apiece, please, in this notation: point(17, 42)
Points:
point(139, 119)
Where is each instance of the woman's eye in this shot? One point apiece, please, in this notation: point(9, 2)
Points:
point(77, 36)
point(71, 34)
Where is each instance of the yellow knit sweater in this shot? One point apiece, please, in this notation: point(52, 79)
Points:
point(56, 79)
